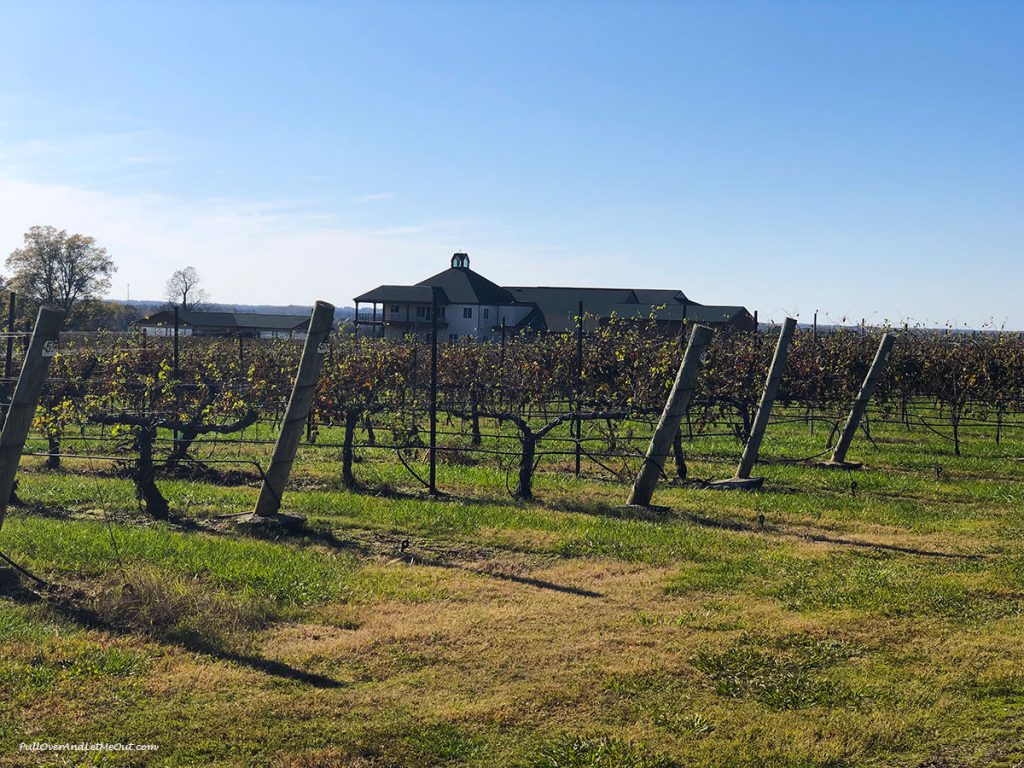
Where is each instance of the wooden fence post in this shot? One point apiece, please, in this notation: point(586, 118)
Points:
point(764, 411)
point(668, 426)
point(276, 478)
point(41, 349)
point(860, 405)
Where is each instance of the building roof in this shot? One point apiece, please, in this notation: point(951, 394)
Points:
point(248, 321)
point(554, 308)
point(534, 321)
point(706, 313)
point(464, 286)
point(403, 294)
point(559, 306)
point(659, 296)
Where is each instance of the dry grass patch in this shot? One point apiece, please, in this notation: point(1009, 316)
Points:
point(178, 608)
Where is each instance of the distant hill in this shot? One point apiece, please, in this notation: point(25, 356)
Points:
point(146, 307)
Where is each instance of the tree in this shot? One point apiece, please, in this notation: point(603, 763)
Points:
point(105, 315)
point(59, 270)
point(183, 289)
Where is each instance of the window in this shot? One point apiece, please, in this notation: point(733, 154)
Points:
point(421, 311)
point(394, 308)
point(440, 312)
point(467, 313)
point(487, 313)
point(453, 337)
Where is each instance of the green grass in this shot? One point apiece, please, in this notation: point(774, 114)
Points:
point(875, 626)
point(283, 573)
point(782, 674)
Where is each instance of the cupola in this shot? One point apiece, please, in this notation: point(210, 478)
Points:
point(460, 261)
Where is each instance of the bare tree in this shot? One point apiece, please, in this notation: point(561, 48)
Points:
point(183, 289)
point(59, 269)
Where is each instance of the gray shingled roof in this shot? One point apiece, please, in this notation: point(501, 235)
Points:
point(559, 306)
point(464, 286)
point(706, 313)
point(657, 296)
point(555, 307)
point(248, 321)
point(402, 294)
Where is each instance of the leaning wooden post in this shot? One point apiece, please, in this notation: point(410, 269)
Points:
point(764, 411)
point(41, 350)
point(276, 477)
point(860, 405)
point(675, 407)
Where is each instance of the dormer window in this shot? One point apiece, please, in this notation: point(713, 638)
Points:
point(460, 261)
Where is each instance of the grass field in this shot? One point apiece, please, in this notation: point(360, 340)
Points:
point(876, 625)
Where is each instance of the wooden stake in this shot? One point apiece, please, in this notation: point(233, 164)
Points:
point(764, 409)
point(320, 323)
point(41, 349)
point(743, 479)
point(860, 405)
point(668, 426)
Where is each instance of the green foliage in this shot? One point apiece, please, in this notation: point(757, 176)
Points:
point(275, 571)
point(598, 752)
point(782, 674)
point(61, 662)
point(59, 270)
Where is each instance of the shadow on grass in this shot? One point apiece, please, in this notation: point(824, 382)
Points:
point(40, 510)
point(732, 525)
point(71, 604)
point(387, 491)
point(260, 664)
point(888, 547)
point(297, 533)
point(529, 581)
point(665, 514)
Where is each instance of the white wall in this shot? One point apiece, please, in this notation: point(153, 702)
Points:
point(477, 327)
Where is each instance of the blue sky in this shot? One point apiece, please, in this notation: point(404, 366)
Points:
point(859, 158)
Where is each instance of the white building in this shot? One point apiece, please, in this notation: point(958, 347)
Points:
point(469, 306)
point(246, 325)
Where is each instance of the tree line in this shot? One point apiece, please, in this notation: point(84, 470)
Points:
point(72, 273)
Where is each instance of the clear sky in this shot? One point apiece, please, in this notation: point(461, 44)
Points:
point(861, 158)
